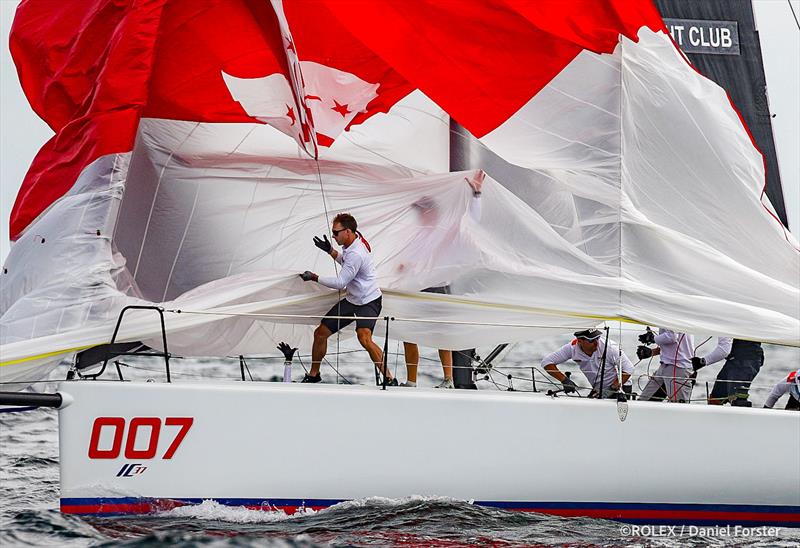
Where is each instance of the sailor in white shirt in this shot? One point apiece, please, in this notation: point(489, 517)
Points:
point(719, 353)
point(790, 384)
point(673, 375)
point(362, 298)
point(429, 217)
point(587, 351)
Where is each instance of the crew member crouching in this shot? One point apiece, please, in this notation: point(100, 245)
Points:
point(587, 350)
point(790, 384)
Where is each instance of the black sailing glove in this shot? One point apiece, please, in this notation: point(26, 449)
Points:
point(644, 352)
point(323, 243)
point(698, 363)
point(648, 337)
point(288, 351)
point(569, 385)
point(309, 276)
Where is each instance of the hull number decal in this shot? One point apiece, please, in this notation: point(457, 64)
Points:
point(148, 426)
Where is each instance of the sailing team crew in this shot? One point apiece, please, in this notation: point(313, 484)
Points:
point(673, 379)
point(743, 361)
point(363, 297)
point(790, 384)
point(598, 363)
point(429, 218)
point(673, 376)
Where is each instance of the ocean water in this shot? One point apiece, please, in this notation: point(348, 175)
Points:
point(29, 480)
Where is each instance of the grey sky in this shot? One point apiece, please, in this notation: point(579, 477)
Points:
point(22, 133)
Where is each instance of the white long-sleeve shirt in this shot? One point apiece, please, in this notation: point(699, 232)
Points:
point(721, 351)
point(790, 384)
point(676, 348)
point(357, 274)
point(590, 365)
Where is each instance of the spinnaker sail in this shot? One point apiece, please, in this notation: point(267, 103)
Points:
point(622, 183)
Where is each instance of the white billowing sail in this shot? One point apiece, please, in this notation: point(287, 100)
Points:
point(650, 171)
point(629, 190)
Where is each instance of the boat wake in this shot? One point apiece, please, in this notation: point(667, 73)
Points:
point(211, 510)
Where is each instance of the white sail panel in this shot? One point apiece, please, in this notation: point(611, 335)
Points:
point(646, 167)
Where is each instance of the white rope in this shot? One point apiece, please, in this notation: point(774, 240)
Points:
point(393, 318)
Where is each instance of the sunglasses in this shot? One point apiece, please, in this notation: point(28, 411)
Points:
point(336, 232)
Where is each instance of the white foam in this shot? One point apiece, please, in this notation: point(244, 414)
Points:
point(214, 511)
point(383, 501)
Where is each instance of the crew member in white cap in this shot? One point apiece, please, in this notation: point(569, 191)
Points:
point(790, 384)
point(587, 350)
point(675, 350)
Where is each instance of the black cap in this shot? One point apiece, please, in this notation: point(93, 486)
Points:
point(589, 334)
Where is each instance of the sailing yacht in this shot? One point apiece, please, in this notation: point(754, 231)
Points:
point(201, 147)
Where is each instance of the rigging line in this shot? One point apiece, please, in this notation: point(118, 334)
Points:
point(336, 369)
point(419, 320)
point(699, 345)
point(329, 364)
point(793, 14)
point(335, 264)
point(490, 378)
point(244, 362)
point(300, 359)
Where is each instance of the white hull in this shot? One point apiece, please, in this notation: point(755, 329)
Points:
point(270, 445)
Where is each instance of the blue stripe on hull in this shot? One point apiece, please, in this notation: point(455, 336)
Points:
point(640, 513)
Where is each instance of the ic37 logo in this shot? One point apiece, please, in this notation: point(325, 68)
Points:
point(150, 428)
point(129, 470)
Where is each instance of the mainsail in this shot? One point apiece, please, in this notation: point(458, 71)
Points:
point(622, 184)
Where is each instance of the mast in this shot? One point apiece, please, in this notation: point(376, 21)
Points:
point(460, 156)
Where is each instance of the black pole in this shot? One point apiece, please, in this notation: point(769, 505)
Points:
point(27, 399)
point(164, 338)
point(122, 312)
point(460, 160)
point(494, 353)
point(462, 368)
point(385, 352)
point(603, 365)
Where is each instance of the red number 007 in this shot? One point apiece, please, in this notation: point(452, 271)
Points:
point(151, 423)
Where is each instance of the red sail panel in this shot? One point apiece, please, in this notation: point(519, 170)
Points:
point(481, 61)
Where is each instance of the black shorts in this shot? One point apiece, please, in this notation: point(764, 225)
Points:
point(366, 312)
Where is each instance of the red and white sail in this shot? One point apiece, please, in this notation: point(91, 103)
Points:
point(201, 143)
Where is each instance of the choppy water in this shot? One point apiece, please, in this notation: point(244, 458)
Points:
point(29, 514)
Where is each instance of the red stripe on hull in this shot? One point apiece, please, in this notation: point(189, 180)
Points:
point(613, 513)
point(161, 505)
